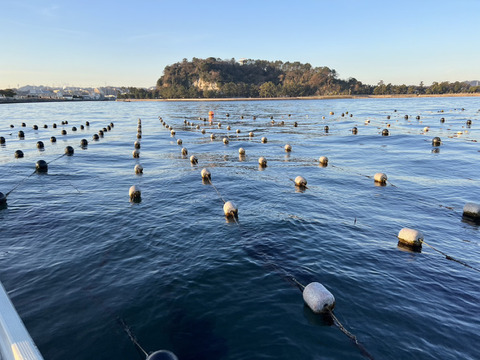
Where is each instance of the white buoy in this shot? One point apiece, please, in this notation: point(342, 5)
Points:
point(323, 160)
point(136, 144)
point(425, 129)
point(241, 151)
point(238, 131)
point(138, 169)
point(288, 148)
point(250, 134)
point(206, 174)
point(172, 132)
point(225, 141)
point(318, 298)
point(135, 193)
point(228, 127)
point(380, 178)
point(264, 140)
point(300, 181)
point(212, 136)
point(184, 151)
point(262, 161)
point(193, 160)
point(136, 153)
point(472, 210)
point(230, 209)
point(410, 237)
point(179, 141)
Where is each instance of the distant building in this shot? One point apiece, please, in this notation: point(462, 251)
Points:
point(242, 61)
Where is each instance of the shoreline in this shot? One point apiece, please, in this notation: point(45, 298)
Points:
point(324, 97)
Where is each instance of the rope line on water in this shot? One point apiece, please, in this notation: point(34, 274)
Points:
point(130, 334)
point(448, 257)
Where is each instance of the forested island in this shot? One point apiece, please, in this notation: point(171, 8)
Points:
point(246, 78)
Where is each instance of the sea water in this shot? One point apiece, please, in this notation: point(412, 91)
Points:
point(76, 256)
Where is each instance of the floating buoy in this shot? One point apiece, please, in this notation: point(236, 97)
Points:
point(193, 160)
point(112, 124)
point(425, 129)
point(206, 174)
point(24, 125)
point(318, 298)
point(12, 126)
point(87, 123)
point(219, 125)
point(300, 181)
point(442, 120)
point(380, 178)
point(53, 139)
point(136, 144)
point(172, 133)
point(184, 151)
point(212, 136)
point(104, 129)
point(385, 132)
point(179, 141)
point(95, 137)
point(388, 117)
point(135, 193)
point(323, 160)
point(225, 141)
point(54, 125)
point(2, 140)
point(326, 128)
point(411, 238)
point(35, 127)
point(64, 132)
point(273, 122)
point(354, 131)
point(469, 122)
point(262, 162)
point(241, 151)
point(138, 169)
point(41, 166)
point(230, 209)
point(238, 131)
point(367, 122)
point(69, 151)
point(203, 131)
point(228, 127)
point(74, 128)
point(109, 128)
point(83, 143)
point(82, 127)
point(19, 154)
point(472, 210)
point(21, 134)
point(250, 134)
point(136, 153)
point(211, 113)
point(40, 145)
point(264, 140)
point(162, 355)
point(254, 118)
point(436, 141)
point(418, 117)
point(406, 117)
point(227, 115)
point(139, 136)
point(288, 148)
point(295, 124)
point(100, 133)
point(332, 113)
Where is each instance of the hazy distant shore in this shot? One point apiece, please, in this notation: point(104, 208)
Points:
point(329, 97)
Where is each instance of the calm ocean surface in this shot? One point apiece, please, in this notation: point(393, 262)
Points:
point(76, 255)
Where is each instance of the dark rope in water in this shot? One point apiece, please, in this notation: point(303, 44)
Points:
point(448, 257)
point(130, 334)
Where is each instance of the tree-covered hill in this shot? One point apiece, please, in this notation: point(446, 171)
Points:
point(217, 78)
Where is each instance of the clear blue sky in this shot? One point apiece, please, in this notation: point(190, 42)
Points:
point(128, 43)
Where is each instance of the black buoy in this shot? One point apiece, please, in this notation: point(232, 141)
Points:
point(74, 128)
point(45, 126)
point(83, 143)
point(2, 140)
point(385, 132)
point(82, 127)
point(469, 122)
point(69, 151)
point(326, 128)
point(40, 145)
point(95, 137)
point(354, 130)
point(100, 133)
point(35, 127)
point(105, 129)
point(66, 122)
point(12, 126)
point(54, 125)
point(295, 124)
point(53, 139)
point(63, 122)
point(418, 117)
point(41, 166)
point(23, 124)
point(111, 124)
point(109, 127)
point(436, 141)
point(64, 132)
point(21, 134)
point(19, 154)
point(442, 120)
point(87, 123)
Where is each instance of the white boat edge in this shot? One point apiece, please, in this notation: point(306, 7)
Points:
point(15, 341)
